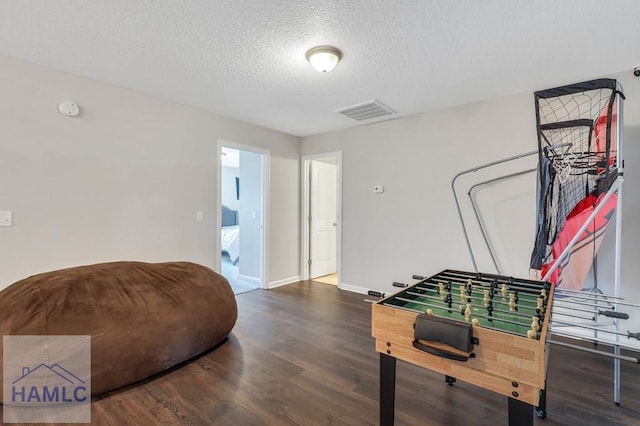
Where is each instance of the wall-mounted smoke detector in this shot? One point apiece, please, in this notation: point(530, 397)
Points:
point(68, 109)
point(366, 110)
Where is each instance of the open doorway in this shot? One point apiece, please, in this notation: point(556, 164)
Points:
point(242, 215)
point(321, 217)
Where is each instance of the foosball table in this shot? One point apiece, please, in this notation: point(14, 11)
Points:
point(487, 330)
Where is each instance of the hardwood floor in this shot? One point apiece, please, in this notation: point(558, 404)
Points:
point(302, 354)
point(327, 279)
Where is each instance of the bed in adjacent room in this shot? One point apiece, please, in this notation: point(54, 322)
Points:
point(230, 234)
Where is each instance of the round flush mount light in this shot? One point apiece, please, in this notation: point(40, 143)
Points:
point(324, 58)
point(68, 109)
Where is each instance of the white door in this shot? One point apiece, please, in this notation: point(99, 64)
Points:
point(323, 218)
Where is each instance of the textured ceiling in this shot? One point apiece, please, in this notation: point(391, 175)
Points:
point(245, 58)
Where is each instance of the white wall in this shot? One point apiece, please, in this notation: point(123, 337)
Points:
point(229, 198)
point(413, 228)
point(123, 180)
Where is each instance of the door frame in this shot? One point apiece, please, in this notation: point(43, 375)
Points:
point(304, 209)
point(266, 162)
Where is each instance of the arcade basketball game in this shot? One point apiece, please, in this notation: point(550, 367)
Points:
point(494, 330)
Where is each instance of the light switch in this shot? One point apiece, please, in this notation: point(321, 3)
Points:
point(378, 189)
point(6, 218)
point(199, 216)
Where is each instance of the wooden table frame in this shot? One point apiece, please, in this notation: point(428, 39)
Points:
point(509, 364)
point(520, 413)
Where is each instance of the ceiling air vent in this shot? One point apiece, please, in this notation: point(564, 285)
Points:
point(366, 110)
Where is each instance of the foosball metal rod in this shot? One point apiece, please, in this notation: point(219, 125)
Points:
point(487, 286)
point(593, 340)
point(488, 279)
point(479, 286)
point(555, 306)
point(593, 318)
point(516, 313)
point(611, 314)
point(482, 285)
point(488, 327)
point(524, 304)
point(560, 291)
point(456, 310)
point(589, 327)
point(634, 305)
point(595, 351)
point(532, 288)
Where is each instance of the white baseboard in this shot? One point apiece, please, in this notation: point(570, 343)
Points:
point(353, 288)
point(278, 283)
point(252, 280)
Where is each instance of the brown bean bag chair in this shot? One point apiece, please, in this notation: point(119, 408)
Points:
point(143, 318)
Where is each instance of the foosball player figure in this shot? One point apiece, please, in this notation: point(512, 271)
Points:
point(475, 322)
point(504, 291)
point(512, 302)
point(463, 295)
point(467, 312)
point(535, 324)
point(490, 310)
point(535, 327)
point(469, 287)
point(493, 288)
point(485, 299)
point(441, 291)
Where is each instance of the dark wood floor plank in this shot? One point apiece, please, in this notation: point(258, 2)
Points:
point(342, 408)
point(303, 355)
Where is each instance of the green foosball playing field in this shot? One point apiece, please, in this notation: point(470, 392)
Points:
point(503, 303)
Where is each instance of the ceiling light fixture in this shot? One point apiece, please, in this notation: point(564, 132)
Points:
point(324, 58)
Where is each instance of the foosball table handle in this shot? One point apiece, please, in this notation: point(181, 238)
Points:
point(440, 352)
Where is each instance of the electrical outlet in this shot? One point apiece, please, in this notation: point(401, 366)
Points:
point(378, 189)
point(199, 216)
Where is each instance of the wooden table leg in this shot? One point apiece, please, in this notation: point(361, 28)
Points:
point(387, 389)
point(520, 413)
